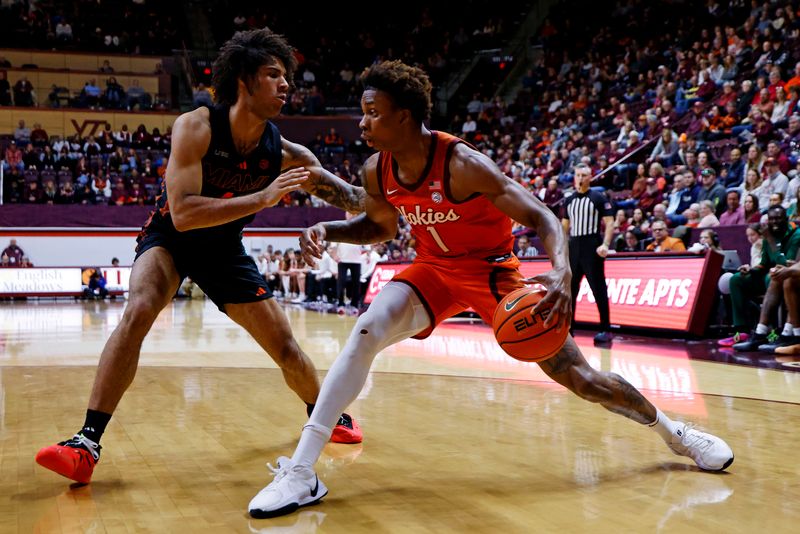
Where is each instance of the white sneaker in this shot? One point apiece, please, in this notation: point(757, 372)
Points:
point(708, 452)
point(293, 487)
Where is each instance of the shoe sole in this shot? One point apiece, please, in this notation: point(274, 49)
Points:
point(288, 509)
point(723, 468)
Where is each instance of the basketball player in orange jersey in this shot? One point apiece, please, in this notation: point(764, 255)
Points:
point(228, 162)
point(460, 207)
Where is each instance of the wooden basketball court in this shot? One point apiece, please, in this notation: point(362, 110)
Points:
point(458, 436)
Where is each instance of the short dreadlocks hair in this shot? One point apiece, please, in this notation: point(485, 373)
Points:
point(241, 57)
point(408, 86)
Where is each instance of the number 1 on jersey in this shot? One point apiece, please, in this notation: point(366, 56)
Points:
point(436, 237)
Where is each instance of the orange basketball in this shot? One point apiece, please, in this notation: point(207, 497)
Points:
point(523, 335)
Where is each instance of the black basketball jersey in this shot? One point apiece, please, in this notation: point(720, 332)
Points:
point(226, 174)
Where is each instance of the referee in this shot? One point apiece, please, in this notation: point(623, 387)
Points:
point(587, 247)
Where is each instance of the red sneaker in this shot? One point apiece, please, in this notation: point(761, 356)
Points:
point(347, 431)
point(74, 458)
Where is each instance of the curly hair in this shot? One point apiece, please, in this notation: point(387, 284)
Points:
point(408, 86)
point(241, 57)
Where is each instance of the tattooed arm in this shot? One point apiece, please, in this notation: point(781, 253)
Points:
point(322, 183)
point(377, 224)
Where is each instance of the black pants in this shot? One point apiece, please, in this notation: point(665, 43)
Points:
point(353, 283)
point(583, 260)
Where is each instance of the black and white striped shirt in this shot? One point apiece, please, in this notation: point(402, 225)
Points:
point(585, 211)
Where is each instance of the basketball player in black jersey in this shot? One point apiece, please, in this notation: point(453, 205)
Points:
point(227, 163)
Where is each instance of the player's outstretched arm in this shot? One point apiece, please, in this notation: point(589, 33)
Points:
point(322, 183)
point(377, 224)
point(472, 172)
point(191, 135)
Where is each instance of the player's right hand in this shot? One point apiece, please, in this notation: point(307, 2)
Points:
point(287, 182)
point(311, 243)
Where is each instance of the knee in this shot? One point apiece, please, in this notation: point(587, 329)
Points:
point(736, 282)
point(140, 314)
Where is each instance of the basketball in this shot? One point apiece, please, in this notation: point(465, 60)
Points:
point(522, 335)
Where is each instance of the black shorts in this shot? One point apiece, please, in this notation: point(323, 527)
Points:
point(224, 271)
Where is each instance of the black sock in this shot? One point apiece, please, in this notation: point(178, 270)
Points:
point(95, 424)
point(309, 408)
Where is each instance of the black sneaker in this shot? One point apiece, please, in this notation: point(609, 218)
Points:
point(603, 338)
point(781, 341)
point(752, 343)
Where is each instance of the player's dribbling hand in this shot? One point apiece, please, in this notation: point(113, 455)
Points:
point(557, 282)
point(287, 182)
point(311, 243)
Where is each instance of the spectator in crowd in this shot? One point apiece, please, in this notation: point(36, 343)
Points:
point(23, 93)
point(774, 180)
point(22, 134)
point(190, 289)
point(734, 170)
point(136, 96)
point(734, 212)
point(13, 157)
point(39, 137)
point(708, 218)
point(96, 288)
point(553, 196)
point(630, 242)
point(321, 280)
point(202, 96)
point(524, 248)
point(666, 150)
point(680, 199)
point(711, 190)
point(13, 252)
point(754, 186)
point(90, 94)
point(709, 240)
point(662, 242)
point(5, 89)
point(114, 95)
point(106, 67)
point(63, 31)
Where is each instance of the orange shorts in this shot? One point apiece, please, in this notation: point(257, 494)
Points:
point(448, 287)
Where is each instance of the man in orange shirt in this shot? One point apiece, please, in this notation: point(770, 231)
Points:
point(662, 242)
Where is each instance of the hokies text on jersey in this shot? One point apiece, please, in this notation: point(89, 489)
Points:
point(429, 216)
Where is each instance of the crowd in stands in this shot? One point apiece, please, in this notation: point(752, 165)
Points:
point(113, 26)
point(688, 113)
point(111, 95)
point(333, 54)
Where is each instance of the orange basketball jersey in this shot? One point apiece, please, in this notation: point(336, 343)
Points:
point(442, 226)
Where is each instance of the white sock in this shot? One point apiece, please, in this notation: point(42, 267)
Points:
point(787, 329)
point(664, 426)
point(394, 315)
point(796, 331)
point(761, 328)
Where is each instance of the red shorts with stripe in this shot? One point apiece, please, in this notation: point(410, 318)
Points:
point(448, 287)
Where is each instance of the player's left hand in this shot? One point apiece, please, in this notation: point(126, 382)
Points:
point(602, 250)
point(557, 282)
